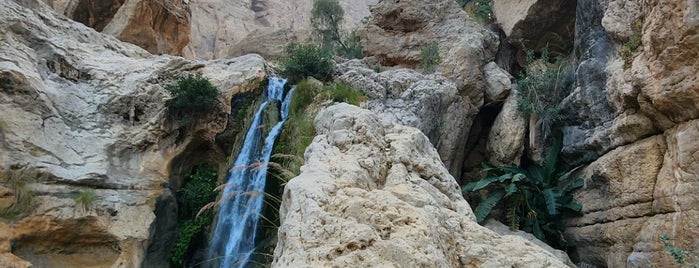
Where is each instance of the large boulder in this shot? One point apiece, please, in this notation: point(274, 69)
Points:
point(375, 193)
point(398, 30)
point(79, 110)
point(430, 103)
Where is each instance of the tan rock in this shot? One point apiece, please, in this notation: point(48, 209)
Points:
point(374, 193)
point(505, 143)
point(159, 26)
point(398, 30)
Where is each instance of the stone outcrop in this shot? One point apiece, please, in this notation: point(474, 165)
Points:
point(398, 30)
point(637, 105)
point(375, 193)
point(506, 138)
point(430, 103)
point(82, 110)
point(159, 26)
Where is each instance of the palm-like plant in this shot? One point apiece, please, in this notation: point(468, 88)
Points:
point(534, 198)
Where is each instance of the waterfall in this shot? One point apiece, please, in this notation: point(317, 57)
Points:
point(233, 239)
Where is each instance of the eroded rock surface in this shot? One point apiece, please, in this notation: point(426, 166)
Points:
point(430, 103)
point(374, 193)
point(398, 30)
point(159, 26)
point(78, 110)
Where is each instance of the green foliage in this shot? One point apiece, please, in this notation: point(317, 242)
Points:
point(340, 92)
point(304, 94)
point(197, 192)
point(23, 200)
point(303, 61)
point(192, 94)
point(681, 256)
point(534, 198)
point(479, 10)
point(626, 52)
point(85, 198)
point(543, 88)
point(326, 18)
point(430, 58)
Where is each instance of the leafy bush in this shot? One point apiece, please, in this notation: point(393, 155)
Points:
point(191, 94)
point(85, 198)
point(534, 198)
point(197, 191)
point(681, 256)
point(632, 44)
point(429, 55)
point(543, 88)
point(306, 60)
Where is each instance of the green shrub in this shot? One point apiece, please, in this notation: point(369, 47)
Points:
point(303, 61)
point(191, 94)
point(196, 192)
point(479, 10)
point(23, 200)
point(340, 92)
point(632, 44)
point(681, 256)
point(304, 94)
point(85, 198)
point(543, 88)
point(533, 198)
point(430, 58)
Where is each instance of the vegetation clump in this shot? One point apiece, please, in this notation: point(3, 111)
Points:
point(430, 58)
point(85, 198)
point(303, 61)
point(479, 10)
point(192, 94)
point(631, 45)
point(682, 256)
point(543, 88)
point(534, 198)
point(197, 191)
point(23, 198)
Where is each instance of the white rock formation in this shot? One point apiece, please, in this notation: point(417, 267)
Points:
point(83, 109)
point(374, 193)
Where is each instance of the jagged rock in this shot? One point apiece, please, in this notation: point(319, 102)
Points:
point(534, 24)
point(159, 26)
point(430, 103)
point(398, 30)
point(82, 109)
point(505, 143)
point(374, 193)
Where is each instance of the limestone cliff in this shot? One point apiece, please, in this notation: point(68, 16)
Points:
point(636, 104)
point(81, 110)
point(375, 193)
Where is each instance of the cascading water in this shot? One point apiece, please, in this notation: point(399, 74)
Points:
point(234, 236)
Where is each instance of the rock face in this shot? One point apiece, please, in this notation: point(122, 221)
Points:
point(430, 103)
point(80, 110)
point(374, 193)
point(398, 30)
point(533, 24)
point(224, 28)
point(159, 26)
point(637, 105)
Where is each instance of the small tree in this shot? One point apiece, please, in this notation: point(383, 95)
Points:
point(326, 18)
point(429, 55)
point(191, 94)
